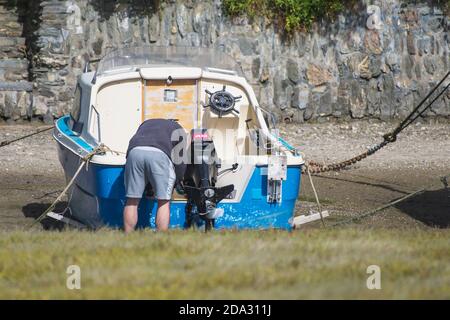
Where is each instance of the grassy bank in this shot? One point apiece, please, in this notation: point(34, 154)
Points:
point(265, 264)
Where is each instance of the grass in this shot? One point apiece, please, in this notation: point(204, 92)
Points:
point(229, 265)
point(293, 14)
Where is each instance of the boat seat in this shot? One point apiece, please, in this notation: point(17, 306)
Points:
point(229, 135)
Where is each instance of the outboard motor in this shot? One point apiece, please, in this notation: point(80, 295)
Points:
point(200, 180)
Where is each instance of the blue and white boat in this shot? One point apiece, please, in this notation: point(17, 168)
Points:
point(203, 90)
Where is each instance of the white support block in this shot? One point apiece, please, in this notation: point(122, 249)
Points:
point(299, 220)
point(64, 219)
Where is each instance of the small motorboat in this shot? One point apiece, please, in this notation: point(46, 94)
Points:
point(250, 177)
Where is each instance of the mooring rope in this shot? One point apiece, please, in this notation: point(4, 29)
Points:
point(319, 206)
point(7, 142)
point(100, 149)
point(390, 204)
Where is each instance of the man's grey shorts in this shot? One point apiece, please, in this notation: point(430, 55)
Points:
point(149, 165)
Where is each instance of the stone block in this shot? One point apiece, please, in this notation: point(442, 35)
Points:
point(301, 96)
point(318, 75)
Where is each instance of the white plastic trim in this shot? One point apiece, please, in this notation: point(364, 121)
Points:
point(175, 73)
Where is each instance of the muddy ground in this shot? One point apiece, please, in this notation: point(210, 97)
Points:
point(31, 176)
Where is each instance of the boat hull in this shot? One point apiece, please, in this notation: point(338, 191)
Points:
point(97, 199)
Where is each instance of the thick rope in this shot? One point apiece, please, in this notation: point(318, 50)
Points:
point(7, 142)
point(390, 204)
point(319, 207)
point(409, 119)
point(377, 210)
point(100, 149)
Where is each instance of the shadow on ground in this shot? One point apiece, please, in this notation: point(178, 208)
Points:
point(379, 183)
point(431, 208)
point(36, 209)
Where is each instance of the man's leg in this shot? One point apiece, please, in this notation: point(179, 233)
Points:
point(163, 215)
point(130, 214)
point(162, 178)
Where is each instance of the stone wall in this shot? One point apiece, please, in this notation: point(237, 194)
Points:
point(15, 90)
point(377, 60)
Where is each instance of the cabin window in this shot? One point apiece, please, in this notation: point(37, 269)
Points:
point(76, 108)
point(170, 95)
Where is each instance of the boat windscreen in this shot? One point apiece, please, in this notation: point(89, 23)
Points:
point(154, 56)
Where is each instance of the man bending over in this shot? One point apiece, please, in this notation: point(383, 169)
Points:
point(150, 160)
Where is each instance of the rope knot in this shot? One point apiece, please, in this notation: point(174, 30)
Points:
point(390, 137)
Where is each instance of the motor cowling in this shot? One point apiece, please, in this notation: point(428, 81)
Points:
point(203, 166)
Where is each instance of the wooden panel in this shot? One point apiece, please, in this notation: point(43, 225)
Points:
point(184, 108)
